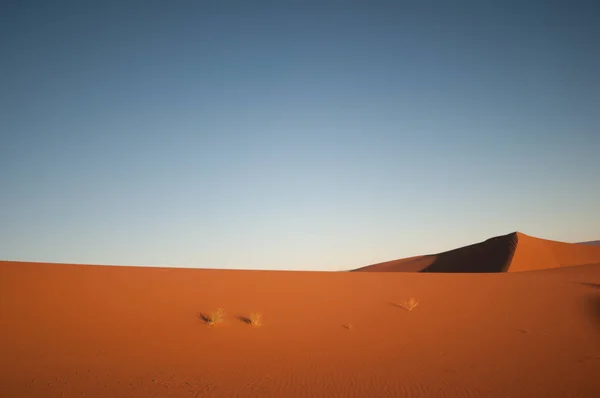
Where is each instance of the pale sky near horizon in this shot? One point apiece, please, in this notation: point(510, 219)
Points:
point(316, 136)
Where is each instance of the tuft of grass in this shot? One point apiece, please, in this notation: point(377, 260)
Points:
point(255, 319)
point(214, 317)
point(410, 304)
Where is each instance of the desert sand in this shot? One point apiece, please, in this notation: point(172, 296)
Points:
point(105, 331)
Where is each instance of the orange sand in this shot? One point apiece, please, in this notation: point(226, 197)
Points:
point(112, 332)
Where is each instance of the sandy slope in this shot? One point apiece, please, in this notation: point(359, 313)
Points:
point(92, 331)
point(514, 252)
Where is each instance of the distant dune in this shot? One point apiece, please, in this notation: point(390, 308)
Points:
point(592, 243)
point(508, 253)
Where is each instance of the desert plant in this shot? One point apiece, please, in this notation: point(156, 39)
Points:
point(255, 319)
point(410, 304)
point(214, 317)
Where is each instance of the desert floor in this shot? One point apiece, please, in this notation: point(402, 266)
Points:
point(103, 331)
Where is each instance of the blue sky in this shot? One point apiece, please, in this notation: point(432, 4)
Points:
point(314, 136)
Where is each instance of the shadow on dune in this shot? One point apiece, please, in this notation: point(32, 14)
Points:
point(490, 256)
point(493, 255)
point(496, 255)
point(593, 302)
point(594, 285)
point(593, 305)
point(591, 243)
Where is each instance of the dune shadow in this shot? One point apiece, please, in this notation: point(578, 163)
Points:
point(592, 302)
point(593, 307)
point(491, 256)
point(592, 285)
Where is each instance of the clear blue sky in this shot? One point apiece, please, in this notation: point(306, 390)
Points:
point(240, 135)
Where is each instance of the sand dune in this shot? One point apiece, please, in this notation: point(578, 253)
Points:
point(508, 253)
point(592, 242)
point(103, 331)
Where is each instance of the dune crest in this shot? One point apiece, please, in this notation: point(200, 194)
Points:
point(514, 252)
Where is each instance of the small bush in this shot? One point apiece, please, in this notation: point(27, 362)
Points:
point(214, 317)
point(410, 304)
point(255, 319)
